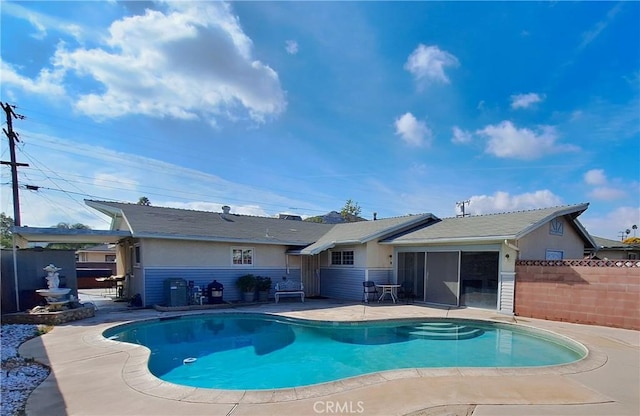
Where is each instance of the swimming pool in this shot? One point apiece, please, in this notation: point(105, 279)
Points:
point(242, 351)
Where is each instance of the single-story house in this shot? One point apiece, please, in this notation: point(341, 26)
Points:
point(97, 254)
point(452, 261)
point(612, 250)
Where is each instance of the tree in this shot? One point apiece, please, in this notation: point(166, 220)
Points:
point(317, 218)
point(632, 240)
point(144, 201)
point(350, 211)
point(6, 223)
point(70, 246)
point(76, 226)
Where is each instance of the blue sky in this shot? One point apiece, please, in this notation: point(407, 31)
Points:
point(274, 107)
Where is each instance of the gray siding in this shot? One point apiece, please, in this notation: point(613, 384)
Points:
point(338, 283)
point(155, 277)
point(381, 276)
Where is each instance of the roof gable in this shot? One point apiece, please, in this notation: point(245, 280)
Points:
point(509, 225)
point(365, 231)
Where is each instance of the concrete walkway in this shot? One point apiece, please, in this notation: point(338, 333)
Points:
point(95, 376)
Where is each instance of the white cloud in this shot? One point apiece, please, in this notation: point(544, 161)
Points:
point(427, 64)
point(525, 100)
point(460, 136)
point(194, 61)
point(412, 131)
point(602, 189)
point(41, 29)
point(576, 115)
point(114, 179)
point(607, 193)
point(595, 177)
point(504, 202)
point(291, 47)
point(95, 172)
point(46, 83)
point(610, 224)
point(43, 23)
point(508, 141)
point(590, 35)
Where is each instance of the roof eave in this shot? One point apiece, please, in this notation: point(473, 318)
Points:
point(221, 239)
point(64, 235)
point(454, 240)
point(310, 251)
point(113, 212)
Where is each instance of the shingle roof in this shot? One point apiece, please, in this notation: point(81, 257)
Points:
point(312, 238)
point(607, 243)
point(160, 222)
point(509, 225)
point(100, 247)
point(363, 231)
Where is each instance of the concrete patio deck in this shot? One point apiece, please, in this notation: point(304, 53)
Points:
point(94, 376)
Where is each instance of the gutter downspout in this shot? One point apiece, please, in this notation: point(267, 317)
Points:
point(511, 246)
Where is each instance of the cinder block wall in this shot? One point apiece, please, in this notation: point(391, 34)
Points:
point(579, 291)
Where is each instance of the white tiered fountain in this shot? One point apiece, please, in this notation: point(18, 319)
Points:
point(54, 295)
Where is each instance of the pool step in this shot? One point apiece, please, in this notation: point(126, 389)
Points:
point(442, 331)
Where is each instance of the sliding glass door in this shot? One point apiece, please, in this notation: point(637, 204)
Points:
point(411, 274)
point(479, 279)
point(451, 278)
point(442, 278)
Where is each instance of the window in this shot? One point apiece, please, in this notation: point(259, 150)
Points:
point(110, 257)
point(136, 255)
point(342, 258)
point(554, 255)
point(242, 256)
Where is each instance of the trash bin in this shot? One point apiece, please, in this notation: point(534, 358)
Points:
point(214, 292)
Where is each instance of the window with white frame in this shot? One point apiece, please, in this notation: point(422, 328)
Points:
point(137, 256)
point(342, 258)
point(242, 256)
point(554, 255)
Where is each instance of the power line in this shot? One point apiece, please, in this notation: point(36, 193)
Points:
point(147, 141)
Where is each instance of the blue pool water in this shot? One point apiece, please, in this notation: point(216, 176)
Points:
point(257, 351)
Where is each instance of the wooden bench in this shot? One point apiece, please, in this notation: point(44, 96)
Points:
point(289, 288)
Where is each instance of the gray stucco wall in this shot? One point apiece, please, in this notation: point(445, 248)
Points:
point(534, 245)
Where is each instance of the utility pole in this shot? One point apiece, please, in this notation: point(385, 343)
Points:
point(13, 138)
point(462, 204)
